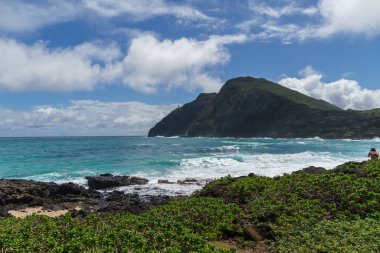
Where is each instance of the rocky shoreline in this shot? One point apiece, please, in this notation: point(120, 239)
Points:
point(22, 197)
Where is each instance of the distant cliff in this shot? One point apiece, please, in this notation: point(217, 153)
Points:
point(255, 107)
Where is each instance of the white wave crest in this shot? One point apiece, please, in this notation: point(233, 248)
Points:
point(229, 148)
point(262, 164)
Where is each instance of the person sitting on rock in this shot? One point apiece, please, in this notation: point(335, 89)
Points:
point(373, 154)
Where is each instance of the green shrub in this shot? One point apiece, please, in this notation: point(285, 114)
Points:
point(181, 226)
point(334, 236)
point(335, 211)
point(293, 205)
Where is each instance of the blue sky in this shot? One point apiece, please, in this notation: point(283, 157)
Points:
point(116, 67)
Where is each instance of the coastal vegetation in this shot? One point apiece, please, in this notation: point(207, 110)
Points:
point(312, 210)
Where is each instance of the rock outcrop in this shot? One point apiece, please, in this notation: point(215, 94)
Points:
point(255, 107)
point(18, 195)
point(104, 181)
point(312, 170)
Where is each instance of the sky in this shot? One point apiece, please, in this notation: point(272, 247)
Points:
point(116, 67)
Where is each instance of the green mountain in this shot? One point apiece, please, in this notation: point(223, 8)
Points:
point(255, 107)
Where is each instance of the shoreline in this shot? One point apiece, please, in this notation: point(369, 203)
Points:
point(104, 194)
point(20, 197)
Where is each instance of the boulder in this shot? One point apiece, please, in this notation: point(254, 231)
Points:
point(138, 180)
point(164, 181)
point(105, 181)
point(106, 175)
point(70, 188)
point(17, 195)
point(188, 181)
point(312, 170)
point(158, 199)
point(116, 196)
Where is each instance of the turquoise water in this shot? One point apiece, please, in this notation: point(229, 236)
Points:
point(72, 158)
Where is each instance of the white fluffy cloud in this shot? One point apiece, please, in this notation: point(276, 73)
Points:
point(84, 117)
point(287, 20)
point(172, 63)
point(326, 18)
point(277, 12)
point(349, 16)
point(346, 94)
point(26, 16)
point(144, 9)
point(148, 64)
point(36, 67)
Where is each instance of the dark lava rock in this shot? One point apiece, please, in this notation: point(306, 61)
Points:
point(188, 181)
point(116, 196)
point(164, 181)
point(157, 199)
point(133, 198)
point(33, 193)
point(106, 175)
point(107, 180)
point(312, 170)
point(19, 194)
point(70, 188)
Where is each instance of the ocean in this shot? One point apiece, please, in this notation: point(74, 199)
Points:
point(70, 159)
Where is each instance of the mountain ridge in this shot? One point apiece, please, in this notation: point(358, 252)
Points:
point(256, 107)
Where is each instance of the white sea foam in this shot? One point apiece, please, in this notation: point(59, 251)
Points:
point(212, 167)
point(167, 137)
point(246, 143)
point(374, 139)
point(62, 177)
point(262, 164)
point(160, 189)
point(228, 148)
